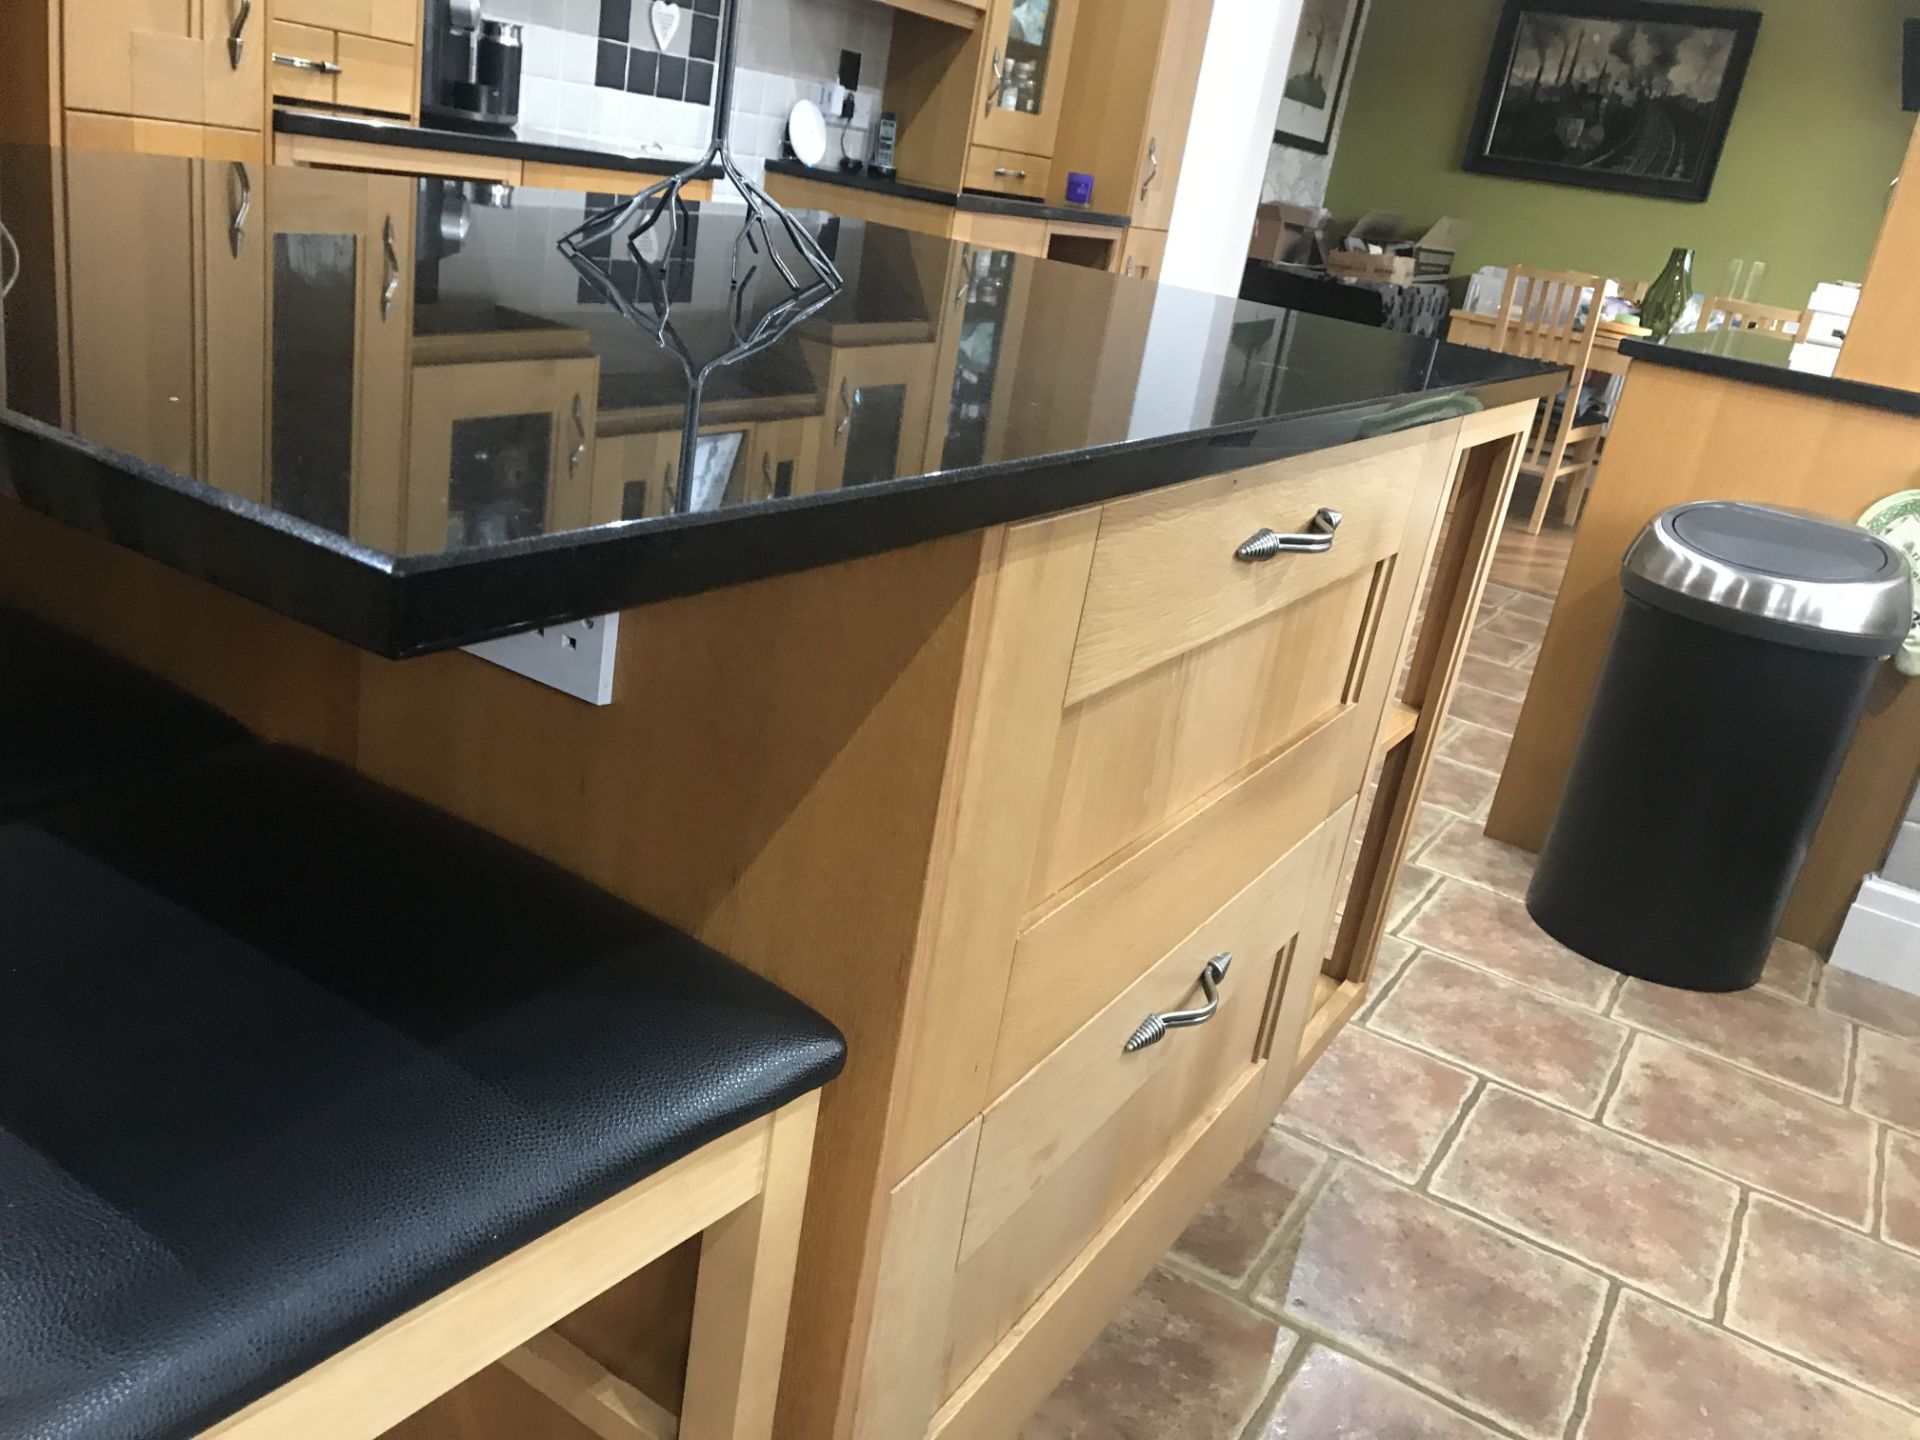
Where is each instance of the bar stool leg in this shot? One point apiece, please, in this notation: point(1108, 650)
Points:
point(744, 1291)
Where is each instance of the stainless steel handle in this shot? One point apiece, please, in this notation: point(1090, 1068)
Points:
point(999, 79)
point(1153, 1029)
point(966, 276)
point(300, 62)
point(1129, 267)
point(579, 451)
point(243, 206)
point(392, 286)
point(1012, 174)
point(1153, 165)
point(236, 37)
point(766, 471)
point(1264, 544)
point(846, 412)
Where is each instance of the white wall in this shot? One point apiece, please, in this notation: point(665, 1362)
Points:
point(1242, 73)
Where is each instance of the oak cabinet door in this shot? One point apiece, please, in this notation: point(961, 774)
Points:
point(1024, 74)
point(198, 62)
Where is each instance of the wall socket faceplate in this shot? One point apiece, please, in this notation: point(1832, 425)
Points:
point(575, 658)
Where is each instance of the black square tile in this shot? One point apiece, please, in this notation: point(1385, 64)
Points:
point(706, 37)
point(672, 82)
point(642, 71)
point(610, 68)
point(585, 294)
point(699, 82)
point(616, 20)
point(625, 275)
point(708, 7)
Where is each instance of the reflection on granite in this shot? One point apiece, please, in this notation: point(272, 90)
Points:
point(392, 407)
point(1776, 362)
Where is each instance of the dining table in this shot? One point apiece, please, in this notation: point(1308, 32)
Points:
point(1473, 327)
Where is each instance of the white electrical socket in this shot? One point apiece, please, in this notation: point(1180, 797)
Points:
point(575, 658)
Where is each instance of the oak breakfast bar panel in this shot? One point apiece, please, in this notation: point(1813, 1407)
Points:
point(1007, 669)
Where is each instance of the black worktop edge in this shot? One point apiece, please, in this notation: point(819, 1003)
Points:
point(416, 605)
point(977, 202)
point(1775, 377)
point(873, 184)
point(370, 130)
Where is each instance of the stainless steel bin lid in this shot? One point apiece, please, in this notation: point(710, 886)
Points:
point(1774, 574)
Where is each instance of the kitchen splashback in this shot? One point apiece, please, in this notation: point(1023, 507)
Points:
point(595, 72)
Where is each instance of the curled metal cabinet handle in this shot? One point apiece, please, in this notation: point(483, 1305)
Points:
point(236, 37)
point(1264, 544)
point(1153, 1029)
point(243, 206)
point(766, 471)
point(1153, 165)
point(392, 286)
point(579, 451)
point(846, 411)
point(1010, 174)
point(300, 62)
point(999, 79)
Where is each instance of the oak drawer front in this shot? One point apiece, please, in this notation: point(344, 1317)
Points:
point(397, 20)
point(1038, 1123)
point(1070, 962)
point(1165, 580)
point(375, 75)
point(1008, 172)
point(310, 79)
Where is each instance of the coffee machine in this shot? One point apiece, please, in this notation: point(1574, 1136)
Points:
point(470, 67)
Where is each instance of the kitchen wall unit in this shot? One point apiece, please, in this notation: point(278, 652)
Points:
point(331, 64)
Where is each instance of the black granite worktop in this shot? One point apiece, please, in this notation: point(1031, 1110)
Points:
point(524, 142)
point(470, 434)
point(978, 202)
point(1756, 359)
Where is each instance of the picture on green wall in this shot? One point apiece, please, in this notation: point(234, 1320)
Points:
point(1323, 45)
point(1612, 94)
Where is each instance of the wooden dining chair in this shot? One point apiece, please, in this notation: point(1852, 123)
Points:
point(1554, 315)
point(1751, 315)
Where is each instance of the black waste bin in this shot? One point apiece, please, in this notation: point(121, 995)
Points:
point(1746, 644)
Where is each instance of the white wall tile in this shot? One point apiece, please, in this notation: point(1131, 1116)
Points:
point(541, 49)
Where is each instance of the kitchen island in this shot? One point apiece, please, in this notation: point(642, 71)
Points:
point(1002, 654)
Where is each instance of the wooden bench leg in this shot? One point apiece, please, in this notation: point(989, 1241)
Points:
point(745, 1287)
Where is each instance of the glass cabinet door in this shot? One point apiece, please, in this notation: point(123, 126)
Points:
point(1026, 61)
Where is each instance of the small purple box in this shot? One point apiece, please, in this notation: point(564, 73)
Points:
point(1079, 188)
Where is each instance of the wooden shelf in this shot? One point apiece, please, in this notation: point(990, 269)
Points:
point(1396, 726)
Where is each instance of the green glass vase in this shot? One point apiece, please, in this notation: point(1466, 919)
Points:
point(1667, 297)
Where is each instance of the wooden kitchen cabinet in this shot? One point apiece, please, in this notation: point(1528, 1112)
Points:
point(1128, 104)
point(1024, 73)
point(1142, 254)
point(192, 61)
point(397, 20)
point(878, 401)
point(314, 65)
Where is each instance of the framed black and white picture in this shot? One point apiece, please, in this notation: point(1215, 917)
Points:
point(1317, 74)
point(1612, 94)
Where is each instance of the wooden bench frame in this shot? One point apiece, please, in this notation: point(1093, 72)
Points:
point(743, 1193)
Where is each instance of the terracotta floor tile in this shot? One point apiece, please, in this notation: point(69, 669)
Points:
point(1460, 788)
point(1334, 1397)
point(1886, 1079)
point(1516, 1035)
point(1428, 821)
point(1498, 649)
point(1474, 745)
point(1179, 1362)
point(1666, 1376)
point(1829, 1296)
point(1410, 887)
point(1495, 596)
point(1539, 607)
point(1754, 1028)
point(1245, 1212)
point(1378, 1101)
point(1900, 1219)
point(1497, 1324)
point(1766, 1135)
point(1500, 679)
point(1512, 625)
point(1620, 1206)
point(1791, 970)
point(1463, 851)
point(1884, 1008)
point(1483, 707)
point(1496, 933)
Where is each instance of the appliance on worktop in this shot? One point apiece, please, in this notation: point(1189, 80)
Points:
point(470, 66)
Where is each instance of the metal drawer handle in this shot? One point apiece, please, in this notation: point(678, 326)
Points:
point(1009, 174)
point(300, 62)
point(243, 206)
point(392, 286)
point(579, 451)
point(999, 79)
point(236, 37)
point(1153, 165)
point(1154, 1028)
point(846, 412)
point(1264, 544)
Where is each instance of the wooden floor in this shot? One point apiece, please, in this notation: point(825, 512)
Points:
point(1535, 563)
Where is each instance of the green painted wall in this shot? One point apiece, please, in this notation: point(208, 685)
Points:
point(1802, 184)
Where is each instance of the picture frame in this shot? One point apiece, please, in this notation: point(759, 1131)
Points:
point(1318, 69)
point(1634, 96)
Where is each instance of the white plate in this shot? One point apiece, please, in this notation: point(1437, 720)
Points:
point(807, 133)
point(1896, 520)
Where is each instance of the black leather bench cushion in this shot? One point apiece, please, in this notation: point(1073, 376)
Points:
point(72, 716)
point(288, 1054)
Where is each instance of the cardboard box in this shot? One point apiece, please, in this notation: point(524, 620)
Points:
point(1364, 265)
point(1277, 228)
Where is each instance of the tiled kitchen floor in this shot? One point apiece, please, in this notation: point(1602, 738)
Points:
point(1524, 1197)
